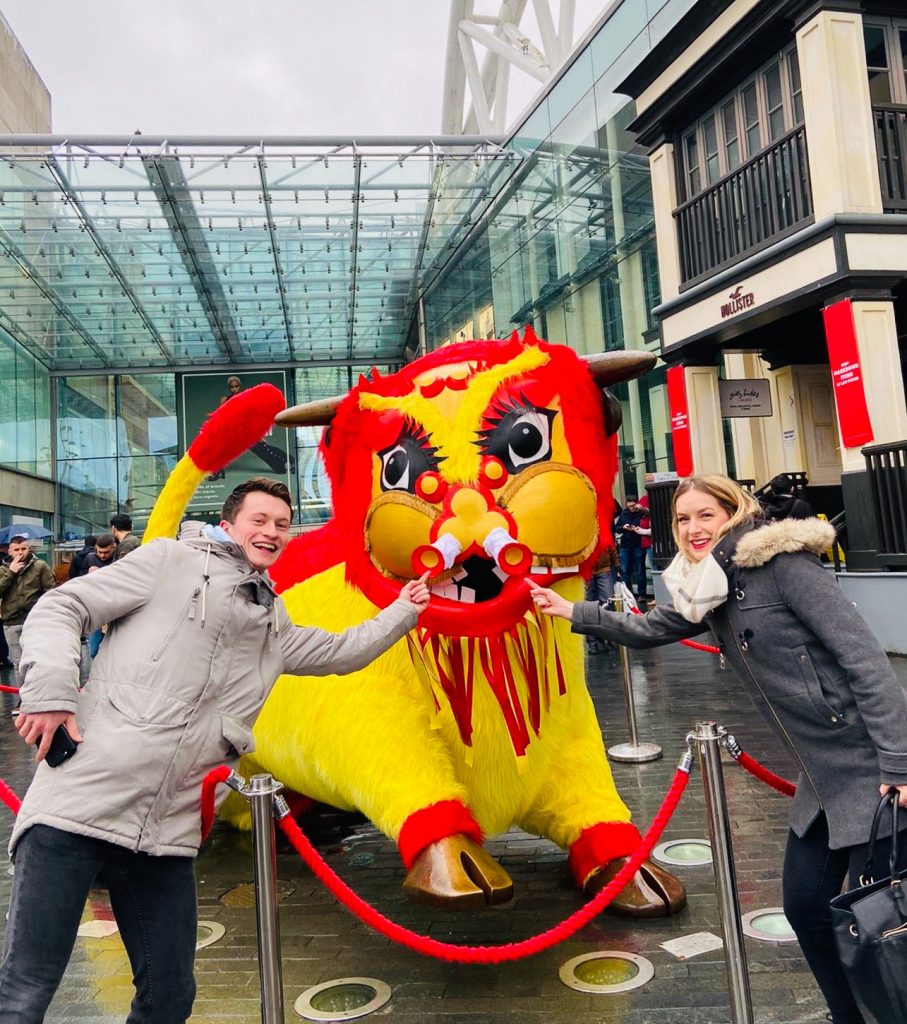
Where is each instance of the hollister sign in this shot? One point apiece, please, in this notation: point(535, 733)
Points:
point(750, 397)
point(738, 300)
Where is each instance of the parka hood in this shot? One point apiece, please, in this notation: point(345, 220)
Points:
point(788, 536)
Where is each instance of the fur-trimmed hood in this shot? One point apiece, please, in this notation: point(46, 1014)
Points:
point(787, 536)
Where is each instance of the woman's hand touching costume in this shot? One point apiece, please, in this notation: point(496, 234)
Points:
point(550, 603)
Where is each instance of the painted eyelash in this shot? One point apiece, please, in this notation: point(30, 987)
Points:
point(500, 409)
point(415, 432)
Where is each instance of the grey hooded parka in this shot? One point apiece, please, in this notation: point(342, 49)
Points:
point(808, 660)
point(196, 640)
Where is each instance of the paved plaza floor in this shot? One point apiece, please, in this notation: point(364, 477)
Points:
point(675, 687)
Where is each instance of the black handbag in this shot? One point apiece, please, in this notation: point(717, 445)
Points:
point(870, 929)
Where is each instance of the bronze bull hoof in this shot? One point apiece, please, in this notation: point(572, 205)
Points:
point(651, 892)
point(457, 874)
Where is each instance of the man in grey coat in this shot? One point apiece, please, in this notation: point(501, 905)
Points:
point(196, 639)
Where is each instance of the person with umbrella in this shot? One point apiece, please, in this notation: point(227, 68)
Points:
point(23, 579)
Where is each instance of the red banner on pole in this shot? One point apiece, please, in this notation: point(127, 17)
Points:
point(680, 421)
point(846, 374)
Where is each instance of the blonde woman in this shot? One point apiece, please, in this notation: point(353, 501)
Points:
point(813, 668)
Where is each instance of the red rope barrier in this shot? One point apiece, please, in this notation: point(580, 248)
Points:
point(764, 775)
point(696, 646)
point(209, 784)
point(9, 689)
point(423, 943)
point(487, 954)
point(708, 648)
point(9, 798)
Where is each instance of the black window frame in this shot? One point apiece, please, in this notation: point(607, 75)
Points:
point(895, 54)
point(694, 180)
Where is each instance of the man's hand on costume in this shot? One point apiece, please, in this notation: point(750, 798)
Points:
point(549, 603)
point(417, 592)
point(42, 725)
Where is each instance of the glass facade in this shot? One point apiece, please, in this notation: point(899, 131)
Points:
point(118, 438)
point(116, 443)
point(120, 270)
point(24, 410)
point(569, 245)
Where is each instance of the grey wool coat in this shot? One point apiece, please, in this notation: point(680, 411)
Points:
point(196, 640)
point(808, 660)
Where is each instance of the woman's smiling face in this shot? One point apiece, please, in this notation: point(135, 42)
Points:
point(699, 518)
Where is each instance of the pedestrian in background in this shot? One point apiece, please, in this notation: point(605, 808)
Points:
point(628, 533)
point(126, 540)
point(78, 567)
point(104, 554)
point(23, 579)
point(812, 666)
point(781, 501)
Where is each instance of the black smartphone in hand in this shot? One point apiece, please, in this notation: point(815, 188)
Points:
point(62, 747)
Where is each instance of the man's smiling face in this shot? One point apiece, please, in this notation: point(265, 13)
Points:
point(261, 528)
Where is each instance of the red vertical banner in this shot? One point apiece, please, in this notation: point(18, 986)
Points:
point(847, 374)
point(680, 421)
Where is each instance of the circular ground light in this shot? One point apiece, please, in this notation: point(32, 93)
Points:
point(207, 933)
point(343, 999)
point(769, 925)
point(606, 972)
point(684, 852)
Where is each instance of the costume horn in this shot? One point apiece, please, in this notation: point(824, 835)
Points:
point(613, 367)
point(310, 414)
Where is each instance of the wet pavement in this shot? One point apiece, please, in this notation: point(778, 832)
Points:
point(674, 687)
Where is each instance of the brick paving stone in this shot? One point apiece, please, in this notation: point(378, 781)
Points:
point(674, 687)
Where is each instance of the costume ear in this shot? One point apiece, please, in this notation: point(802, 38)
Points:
point(614, 412)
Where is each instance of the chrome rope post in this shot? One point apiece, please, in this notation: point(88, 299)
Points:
point(708, 738)
point(633, 752)
point(261, 794)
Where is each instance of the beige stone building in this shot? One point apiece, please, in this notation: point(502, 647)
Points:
point(777, 137)
point(24, 108)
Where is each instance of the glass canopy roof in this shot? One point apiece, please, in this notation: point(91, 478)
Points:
point(157, 253)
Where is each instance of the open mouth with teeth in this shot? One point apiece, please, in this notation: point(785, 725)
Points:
point(474, 598)
point(477, 580)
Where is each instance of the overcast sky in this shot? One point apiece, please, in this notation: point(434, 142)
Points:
point(245, 67)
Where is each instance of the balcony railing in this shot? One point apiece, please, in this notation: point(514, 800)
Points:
point(763, 200)
point(891, 148)
point(886, 465)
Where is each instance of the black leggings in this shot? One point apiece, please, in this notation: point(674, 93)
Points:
point(813, 875)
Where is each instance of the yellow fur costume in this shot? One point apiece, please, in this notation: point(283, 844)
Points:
point(483, 464)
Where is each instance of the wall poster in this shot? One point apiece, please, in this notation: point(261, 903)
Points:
point(202, 393)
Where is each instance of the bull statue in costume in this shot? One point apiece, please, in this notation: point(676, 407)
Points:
point(483, 463)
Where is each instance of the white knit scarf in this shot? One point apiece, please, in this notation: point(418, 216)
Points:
point(695, 587)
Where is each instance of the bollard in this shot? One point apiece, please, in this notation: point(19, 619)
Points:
point(260, 793)
point(708, 736)
point(633, 752)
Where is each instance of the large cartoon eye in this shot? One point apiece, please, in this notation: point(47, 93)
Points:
point(406, 460)
point(520, 434)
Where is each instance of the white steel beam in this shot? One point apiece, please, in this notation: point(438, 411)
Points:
point(476, 87)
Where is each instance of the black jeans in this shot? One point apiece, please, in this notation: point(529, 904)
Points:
point(153, 901)
point(813, 875)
